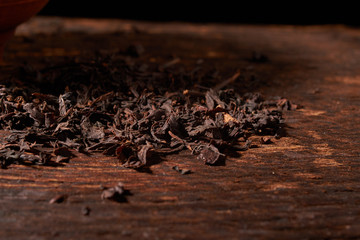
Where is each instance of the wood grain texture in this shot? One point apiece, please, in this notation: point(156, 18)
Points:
point(303, 186)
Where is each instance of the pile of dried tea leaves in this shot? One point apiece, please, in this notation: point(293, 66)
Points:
point(129, 110)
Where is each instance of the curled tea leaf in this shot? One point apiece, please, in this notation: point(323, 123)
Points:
point(210, 155)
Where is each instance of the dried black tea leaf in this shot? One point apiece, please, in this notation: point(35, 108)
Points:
point(63, 151)
point(58, 199)
point(122, 107)
point(285, 104)
point(182, 171)
point(116, 193)
point(85, 211)
point(135, 50)
point(210, 155)
point(127, 155)
point(266, 140)
point(144, 153)
point(259, 57)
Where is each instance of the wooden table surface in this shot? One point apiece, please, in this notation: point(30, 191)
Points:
point(303, 186)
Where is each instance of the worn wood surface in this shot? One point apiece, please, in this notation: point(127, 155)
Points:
point(304, 186)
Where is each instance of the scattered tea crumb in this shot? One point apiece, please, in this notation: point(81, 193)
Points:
point(58, 199)
point(182, 171)
point(85, 211)
point(266, 140)
point(116, 193)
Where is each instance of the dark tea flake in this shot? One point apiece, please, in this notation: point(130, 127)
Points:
point(116, 193)
point(210, 155)
point(58, 199)
point(182, 171)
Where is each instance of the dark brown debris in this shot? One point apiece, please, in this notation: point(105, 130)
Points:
point(116, 193)
point(266, 140)
point(85, 211)
point(259, 57)
point(210, 155)
point(58, 199)
point(129, 110)
point(182, 171)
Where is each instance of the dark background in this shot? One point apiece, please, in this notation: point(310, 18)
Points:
point(252, 12)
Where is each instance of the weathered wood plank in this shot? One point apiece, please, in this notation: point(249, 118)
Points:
point(304, 186)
